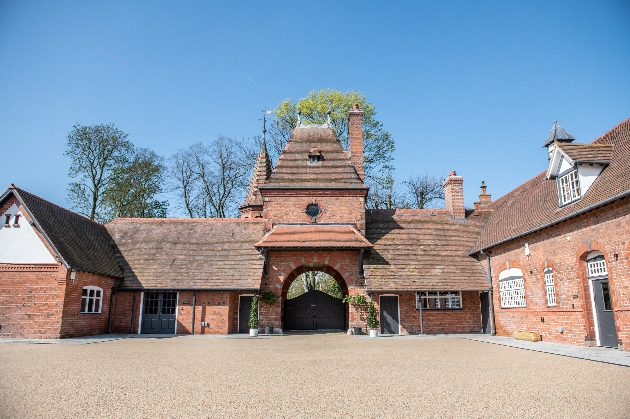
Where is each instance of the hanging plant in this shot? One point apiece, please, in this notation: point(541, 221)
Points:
point(269, 298)
point(355, 300)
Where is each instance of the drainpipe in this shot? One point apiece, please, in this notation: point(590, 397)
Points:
point(193, 314)
point(493, 330)
point(133, 312)
point(421, 323)
point(109, 317)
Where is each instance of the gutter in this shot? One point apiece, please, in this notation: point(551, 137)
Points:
point(566, 217)
point(117, 289)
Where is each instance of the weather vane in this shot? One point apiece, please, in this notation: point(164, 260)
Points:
point(264, 119)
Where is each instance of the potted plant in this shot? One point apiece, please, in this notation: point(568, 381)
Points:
point(253, 318)
point(359, 301)
point(372, 320)
point(270, 299)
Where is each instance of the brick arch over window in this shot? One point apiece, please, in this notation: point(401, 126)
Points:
point(509, 264)
point(585, 249)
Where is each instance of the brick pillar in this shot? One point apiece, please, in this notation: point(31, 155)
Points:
point(454, 195)
point(355, 132)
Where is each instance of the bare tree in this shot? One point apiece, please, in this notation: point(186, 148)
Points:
point(95, 152)
point(386, 193)
point(211, 179)
point(424, 191)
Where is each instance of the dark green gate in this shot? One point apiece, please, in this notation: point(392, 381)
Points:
point(314, 310)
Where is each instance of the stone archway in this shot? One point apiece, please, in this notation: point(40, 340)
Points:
point(314, 310)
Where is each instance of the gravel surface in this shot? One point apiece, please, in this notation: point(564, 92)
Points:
point(322, 375)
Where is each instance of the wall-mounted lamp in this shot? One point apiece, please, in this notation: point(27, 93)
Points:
point(73, 275)
point(569, 239)
point(560, 329)
point(542, 319)
point(616, 255)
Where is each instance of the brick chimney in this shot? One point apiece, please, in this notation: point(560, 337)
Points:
point(355, 132)
point(454, 195)
point(484, 198)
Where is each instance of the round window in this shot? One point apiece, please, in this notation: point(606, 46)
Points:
point(313, 210)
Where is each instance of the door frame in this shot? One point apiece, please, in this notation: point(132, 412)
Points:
point(594, 308)
point(397, 303)
point(176, 311)
point(141, 308)
point(238, 310)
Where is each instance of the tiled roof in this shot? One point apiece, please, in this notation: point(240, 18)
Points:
point(313, 236)
point(534, 204)
point(82, 244)
point(188, 253)
point(334, 170)
point(262, 171)
point(422, 249)
point(557, 133)
point(588, 153)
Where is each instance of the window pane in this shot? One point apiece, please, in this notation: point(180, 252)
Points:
point(83, 303)
point(98, 293)
point(85, 292)
point(91, 293)
point(90, 306)
point(606, 293)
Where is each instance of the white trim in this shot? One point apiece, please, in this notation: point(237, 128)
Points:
point(141, 308)
point(176, 311)
point(94, 299)
point(238, 311)
point(397, 302)
point(595, 318)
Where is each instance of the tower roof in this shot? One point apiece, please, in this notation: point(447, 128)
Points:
point(558, 133)
point(262, 171)
point(302, 167)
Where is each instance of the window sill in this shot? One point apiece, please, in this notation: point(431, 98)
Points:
point(91, 313)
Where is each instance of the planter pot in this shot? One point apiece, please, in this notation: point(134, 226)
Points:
point(253, 332)
point(357, 330)
point(373, 333)
point(268, 330)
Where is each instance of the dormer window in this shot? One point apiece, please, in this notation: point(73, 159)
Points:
point(569, 185)
point(314, 155)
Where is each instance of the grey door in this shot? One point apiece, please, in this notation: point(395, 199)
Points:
point(244, 307)
point(158, 315)
point(389, 315)
point(603, 309)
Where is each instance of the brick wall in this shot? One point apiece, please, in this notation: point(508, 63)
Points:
point(565, 247)
point(31, 300)
point(466, 320)
point(337, 207)
point(121, 321)
point(212, 307)
point(75, 323)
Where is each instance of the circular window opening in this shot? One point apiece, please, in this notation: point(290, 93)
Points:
point(313, 210)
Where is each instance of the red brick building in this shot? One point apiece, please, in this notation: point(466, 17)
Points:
point(553, 248)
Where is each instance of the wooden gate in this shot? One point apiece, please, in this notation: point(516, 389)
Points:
point(314, 310)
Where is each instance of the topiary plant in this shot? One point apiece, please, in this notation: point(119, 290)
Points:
point(372, 319)
point(253, 314)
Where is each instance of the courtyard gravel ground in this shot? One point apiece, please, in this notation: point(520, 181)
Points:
point(309, 375)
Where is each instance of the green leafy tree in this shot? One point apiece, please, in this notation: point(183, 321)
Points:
point(95, 152)
point(378, 144)
point(132, 189)
point(253, 314)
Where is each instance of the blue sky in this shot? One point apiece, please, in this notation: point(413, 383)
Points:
point(466, 86)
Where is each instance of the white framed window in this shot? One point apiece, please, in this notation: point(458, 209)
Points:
point(550, 287)
point(597, 267)
point(512, 288)
point(569, 187)
point(91, 299)
point(444, 300)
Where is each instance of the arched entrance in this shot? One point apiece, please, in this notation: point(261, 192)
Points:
point(314, 306)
